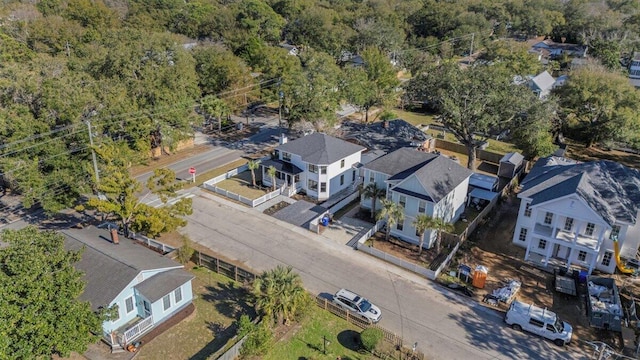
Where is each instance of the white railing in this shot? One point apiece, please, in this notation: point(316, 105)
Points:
point(139, 328)
point(152, 243)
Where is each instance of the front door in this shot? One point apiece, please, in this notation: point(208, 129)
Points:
point(147, 308)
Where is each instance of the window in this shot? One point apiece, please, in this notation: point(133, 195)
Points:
point(589, 230)
point(536, 322)
point(313, 185)
point(582, 255)
point(129, 304)
point(353, 178)
point(177, 295)
point(615, 232)
point(417, 232)
point(342, 179)
point(313, 169)
point(372, 177)
point(323, 187)
point(166, 302)
point(400, 225)
point(523, 234)
point(323, 170)
point(548, 218)
point(527, 210)
point(286, 156)
point(551, 328)
point(542, 244)
point(403, 201)
point(342, 163)
point(147, 306)
point(606, 258)
point(422, 206)
point(568, 224)
point(116, 314)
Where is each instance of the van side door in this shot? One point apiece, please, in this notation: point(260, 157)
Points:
point(550, 332)
point(536, 326)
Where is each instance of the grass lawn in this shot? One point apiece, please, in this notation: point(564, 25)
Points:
point(306, 341)
point(218, 301)
point(414, 118)
point(241, 185)
point(200, 178)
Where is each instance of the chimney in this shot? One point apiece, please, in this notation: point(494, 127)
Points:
point(385, 124)
point(283, 138)
point(114, 236)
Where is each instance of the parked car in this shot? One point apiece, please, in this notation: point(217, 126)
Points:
point(538, 321)
point(355, 303)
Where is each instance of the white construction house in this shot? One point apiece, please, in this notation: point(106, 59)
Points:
point(420, 182)
point(570, 213)
point(318, 164)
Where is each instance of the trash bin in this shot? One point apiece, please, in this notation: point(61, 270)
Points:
point(582, 276)
point(325, 220)
point(480, 276)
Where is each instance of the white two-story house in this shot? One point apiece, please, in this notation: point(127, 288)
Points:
point(421, 183)
point(318, 164)
point(571, 212)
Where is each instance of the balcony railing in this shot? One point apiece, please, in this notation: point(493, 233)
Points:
point(568, 237)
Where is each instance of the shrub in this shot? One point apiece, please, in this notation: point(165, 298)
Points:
point(370, 337)
point(185, 252)
point(258, 338)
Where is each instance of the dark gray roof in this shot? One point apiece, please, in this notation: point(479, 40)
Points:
point(612, 190)
point(399, 161)
point(438, 174)
point(398, 134)
point(159, 285)
point(283, 166)
point(108, 268)
point(413, 194)
point(320, 149)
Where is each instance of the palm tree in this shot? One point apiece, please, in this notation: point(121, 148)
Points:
point(216, 108)
point(373, 192)
point(439, 225)
point(422, 223)
point(253, 166)
point(392, 213)
point(271, 171)
point(279, 293)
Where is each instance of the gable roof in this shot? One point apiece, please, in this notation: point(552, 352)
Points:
point(610, 189)
point(514, 158)
point(159, 285)
point(397, 134)
point(108, 268)
point(437, 174)
point(543, 81)
point(319, 148)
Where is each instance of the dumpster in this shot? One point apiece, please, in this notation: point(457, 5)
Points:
point(480, 276)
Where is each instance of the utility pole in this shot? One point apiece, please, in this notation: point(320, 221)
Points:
point(471, 47)
point(93, 153)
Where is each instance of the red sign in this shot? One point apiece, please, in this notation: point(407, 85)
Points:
point(192, 170)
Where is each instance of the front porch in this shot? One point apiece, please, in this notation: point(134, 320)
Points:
point(548, 254)
point(129, 332)
point(287, 174)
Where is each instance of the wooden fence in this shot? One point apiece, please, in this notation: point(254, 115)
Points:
point(388, 336)
point(222, 267)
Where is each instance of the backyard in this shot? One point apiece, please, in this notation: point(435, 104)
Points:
point(241, 184)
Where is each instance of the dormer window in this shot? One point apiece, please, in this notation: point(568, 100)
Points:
point(286, 156)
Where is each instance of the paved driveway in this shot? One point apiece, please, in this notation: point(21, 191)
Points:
point(445, 325)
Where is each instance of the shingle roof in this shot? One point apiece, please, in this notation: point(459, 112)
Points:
point(282, 166)
point(513, 158)
point(543, 81)
point(159, 285)
point(108, 268)
point(320, 149)
point(396, 135)
point(610, 189)
point(437, 174)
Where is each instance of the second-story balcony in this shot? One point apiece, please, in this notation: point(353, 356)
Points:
point(567, 237)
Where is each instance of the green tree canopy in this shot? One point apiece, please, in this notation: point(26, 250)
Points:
point(40, 311)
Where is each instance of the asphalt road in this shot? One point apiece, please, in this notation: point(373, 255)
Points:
point(444, 324)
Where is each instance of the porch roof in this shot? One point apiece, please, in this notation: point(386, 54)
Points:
point(159, 285)
point(483, 194)
point(282, 166)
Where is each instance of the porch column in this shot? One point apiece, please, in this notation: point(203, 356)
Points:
point(569, 257)
point(554, 225)
point(576, 227)
point(600, 238)
point(548, 251)
point(526, 254)
point(592, 263)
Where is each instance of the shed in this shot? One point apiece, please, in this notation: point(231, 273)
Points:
point(482, 181)
point(510, 164)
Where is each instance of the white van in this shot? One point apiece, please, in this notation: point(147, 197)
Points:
point(538, 321)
